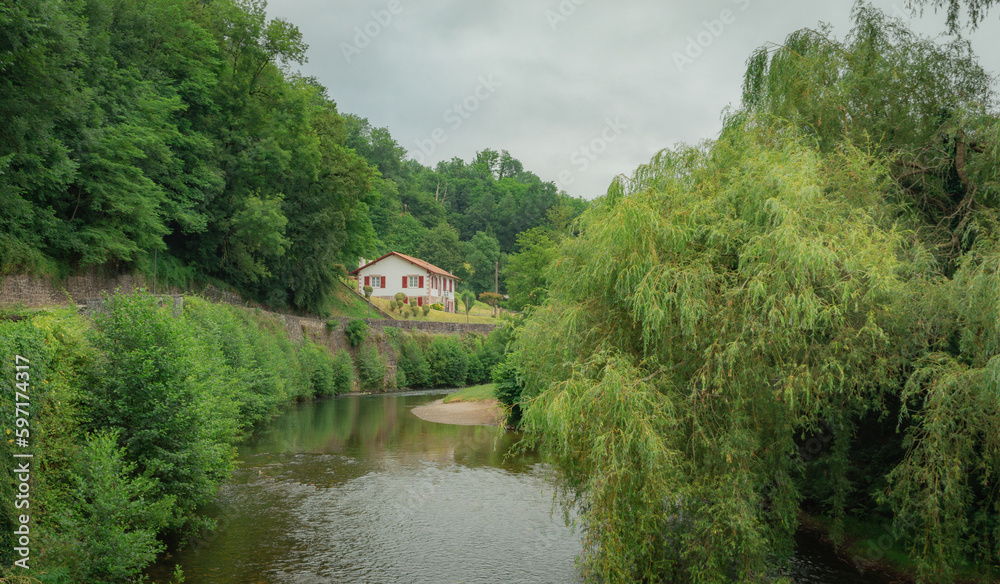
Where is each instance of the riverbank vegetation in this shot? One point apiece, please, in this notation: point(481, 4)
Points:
point(472, 393)
point(133, 416)
point(800, 314)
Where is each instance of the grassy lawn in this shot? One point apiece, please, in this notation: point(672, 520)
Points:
point(480, 313)
point(472, 393)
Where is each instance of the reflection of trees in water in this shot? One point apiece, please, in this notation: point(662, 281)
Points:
point(371, 426)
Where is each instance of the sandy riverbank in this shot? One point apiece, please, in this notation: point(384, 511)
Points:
point(477, 413)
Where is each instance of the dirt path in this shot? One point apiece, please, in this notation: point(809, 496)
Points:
point(480, 413)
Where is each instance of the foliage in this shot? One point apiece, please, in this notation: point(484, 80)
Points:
point(482, 255)
point(426, 309)
point(826, 267)
point(175, 427)
point(371, 368)
point(491, 298)
point(343, 373)
point(449, 362)
point(356, 332)
point(675, 282)
point(110, 515)
point(977, 10)
point(468, 300)
point(410, 359)
point(368, 291)
point(437, 306)
point(137, 412)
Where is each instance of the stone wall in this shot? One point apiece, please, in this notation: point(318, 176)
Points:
point(39, 291)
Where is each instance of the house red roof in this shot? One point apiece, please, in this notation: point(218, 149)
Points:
point(419, 263)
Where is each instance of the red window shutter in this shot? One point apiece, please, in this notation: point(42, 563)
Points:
point(420, 301)
point(404, 281)
point(368, 281)
point(421, 281)
point(383, 281)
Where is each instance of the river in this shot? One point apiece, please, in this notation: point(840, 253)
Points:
point(359, 490)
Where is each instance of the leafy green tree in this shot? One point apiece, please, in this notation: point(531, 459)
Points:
point(525, 272)
point(491, 298)
point(468, 300)
point(440, 246)
point(482, 254)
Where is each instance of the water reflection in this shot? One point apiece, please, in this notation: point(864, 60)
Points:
point(358, 489)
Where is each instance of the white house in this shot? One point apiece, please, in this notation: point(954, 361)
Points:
point(395, 272)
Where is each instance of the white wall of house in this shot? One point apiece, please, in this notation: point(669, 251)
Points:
point(391, 270)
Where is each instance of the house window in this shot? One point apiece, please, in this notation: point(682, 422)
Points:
point(377, 282)
point(414, 282)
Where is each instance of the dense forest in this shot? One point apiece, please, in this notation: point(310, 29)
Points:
point(178, 132)
point(802, 315)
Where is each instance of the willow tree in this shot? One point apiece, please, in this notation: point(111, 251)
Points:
point(789, 280)
point(717, 305)
point(926, 107)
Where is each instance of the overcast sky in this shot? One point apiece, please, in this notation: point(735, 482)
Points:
point(577, 90)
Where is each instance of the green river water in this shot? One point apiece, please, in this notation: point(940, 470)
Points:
point(359, 490)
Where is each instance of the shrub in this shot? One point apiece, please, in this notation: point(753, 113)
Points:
point(414, 309)
point(508, 388)
point(437, 306)
point(356, 332)
point(427, 309)
point(401, 380)
point(167, 395)
point(412, 362)
point(332, 324)
point(371, 368)
point(477, 374)
point(449, 363)
point(343, 372)
point(109, 532)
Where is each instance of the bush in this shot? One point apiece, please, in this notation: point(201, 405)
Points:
point(356, 332)
point(332, 324)
point(437, 306)
point(477, 373)
point(427, 309)
point(411, 361)
point(343, 372)
point(167, 395)
point(371, 368)
point(449, 363)
point(109, 533)
point(508, 389)
point(401, 380)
